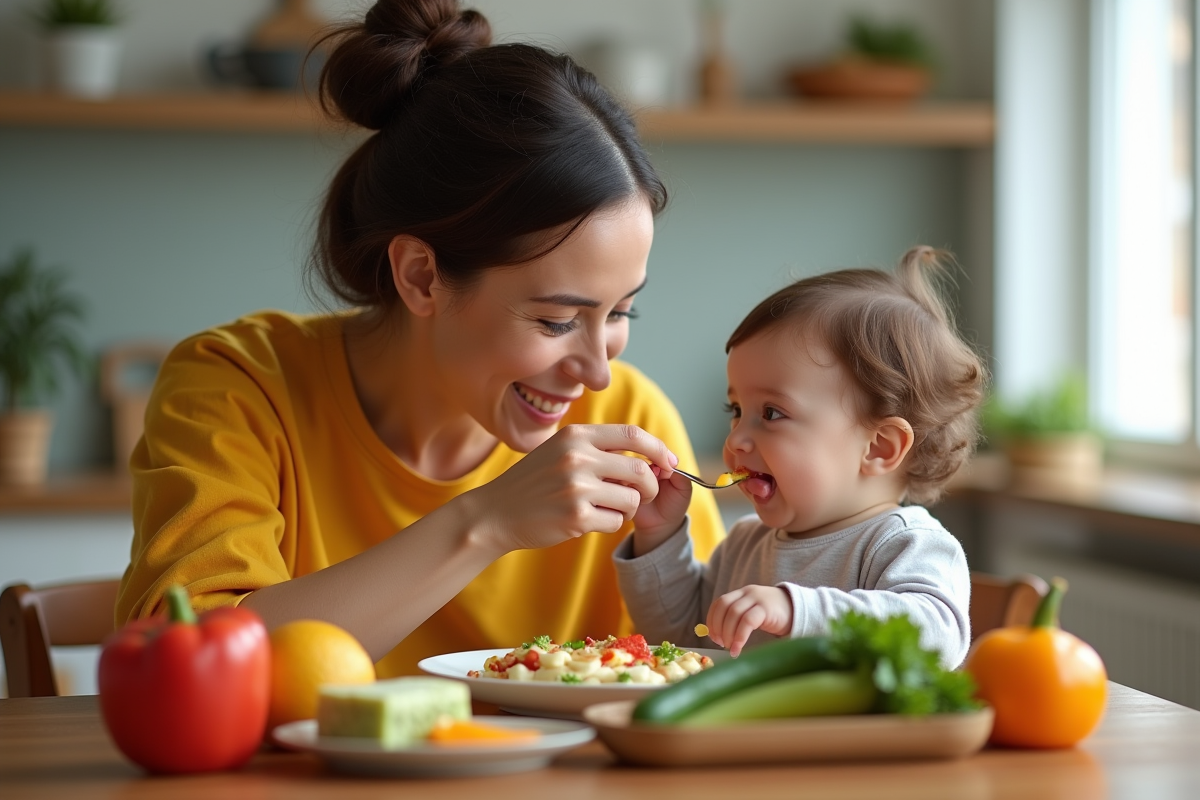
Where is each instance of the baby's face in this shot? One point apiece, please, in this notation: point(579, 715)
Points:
point(793, 423)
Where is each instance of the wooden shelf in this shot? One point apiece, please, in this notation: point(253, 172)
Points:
point(930, 124)
point(96, 493)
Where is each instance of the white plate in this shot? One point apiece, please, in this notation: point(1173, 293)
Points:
point(535, 698)
point(366, 757)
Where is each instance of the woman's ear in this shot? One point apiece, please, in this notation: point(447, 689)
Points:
point(414, 273)
point(891, 440)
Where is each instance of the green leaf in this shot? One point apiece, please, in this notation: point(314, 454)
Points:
point(900, 43)
point(909, 678)
point(667, 652)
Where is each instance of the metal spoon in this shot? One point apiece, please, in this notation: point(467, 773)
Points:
point(734, 479)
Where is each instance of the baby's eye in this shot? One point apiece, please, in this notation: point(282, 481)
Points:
point(558, 328)
point(771, 413)
point(733, 409)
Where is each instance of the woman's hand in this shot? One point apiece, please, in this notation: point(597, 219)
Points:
point(658, 519)
point(735, 615)
point(578, 480)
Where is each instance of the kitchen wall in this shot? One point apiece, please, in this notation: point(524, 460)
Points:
point(166, 233)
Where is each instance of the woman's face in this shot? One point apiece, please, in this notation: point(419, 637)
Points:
point(525, 342)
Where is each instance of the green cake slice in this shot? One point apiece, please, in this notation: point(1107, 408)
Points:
point(396, 713)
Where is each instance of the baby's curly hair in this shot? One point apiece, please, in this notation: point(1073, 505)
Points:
point(896, 336)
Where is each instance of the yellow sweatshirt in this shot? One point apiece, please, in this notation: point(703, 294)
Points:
point(258, 465)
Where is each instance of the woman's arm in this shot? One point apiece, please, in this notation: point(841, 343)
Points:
point(574, 483)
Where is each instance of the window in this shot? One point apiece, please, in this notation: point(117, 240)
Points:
point(1143, 320)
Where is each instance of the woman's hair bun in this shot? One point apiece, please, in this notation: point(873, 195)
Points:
point(374, 65)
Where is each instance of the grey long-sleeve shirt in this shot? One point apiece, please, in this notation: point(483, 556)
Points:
point(902, 561)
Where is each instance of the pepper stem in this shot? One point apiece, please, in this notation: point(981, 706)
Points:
point(1046, 615)
point(179, 605)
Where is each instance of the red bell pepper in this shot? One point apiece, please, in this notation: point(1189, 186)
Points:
point(181, 694)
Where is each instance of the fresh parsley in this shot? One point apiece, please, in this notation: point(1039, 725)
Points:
point(624, 677)
point(909, 678)
point(542, 641)
point(667, 652)
point(570, 678)
point(576, 645)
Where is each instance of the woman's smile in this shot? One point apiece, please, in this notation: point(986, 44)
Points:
point(543, 407)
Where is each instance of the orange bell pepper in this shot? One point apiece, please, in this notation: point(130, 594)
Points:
point(1047, 687)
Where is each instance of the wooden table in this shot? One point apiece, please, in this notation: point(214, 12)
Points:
point(1146, 748)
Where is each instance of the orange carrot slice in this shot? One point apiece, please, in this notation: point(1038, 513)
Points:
point(459, 732)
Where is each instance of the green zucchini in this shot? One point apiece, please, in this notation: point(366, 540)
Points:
point(761, 664)
point(811, 694)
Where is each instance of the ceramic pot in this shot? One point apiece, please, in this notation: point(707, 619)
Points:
point(25, 446)
point(1060, 457)
point(84, 60)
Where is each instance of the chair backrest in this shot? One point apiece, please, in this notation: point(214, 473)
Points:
point(34, 620)
point(1000, 602)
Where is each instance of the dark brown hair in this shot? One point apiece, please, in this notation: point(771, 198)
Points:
point(491, 155)
point(895, 335)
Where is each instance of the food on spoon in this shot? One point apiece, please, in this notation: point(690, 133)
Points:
point(396, 713)
point(863, 664)
point(730, 478)
point(1048, 687)
point(628, 659)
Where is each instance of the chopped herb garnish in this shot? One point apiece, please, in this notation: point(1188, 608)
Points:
point(569, 678)
point(576, 645)
point(624, 677)
point(667, 652)
point(542, 641)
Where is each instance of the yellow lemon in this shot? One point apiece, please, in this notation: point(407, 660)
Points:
point(305, 654)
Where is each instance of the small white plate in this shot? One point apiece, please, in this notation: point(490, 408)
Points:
point(535, 698)
point(367, 757)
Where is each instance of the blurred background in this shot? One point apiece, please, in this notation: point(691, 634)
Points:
point(1049, 144)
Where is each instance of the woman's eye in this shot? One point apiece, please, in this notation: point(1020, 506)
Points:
point(771, 413)
point(616, 316)
point(733, 409)
point(558, 328)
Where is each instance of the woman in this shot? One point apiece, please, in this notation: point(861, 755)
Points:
point(369, 467)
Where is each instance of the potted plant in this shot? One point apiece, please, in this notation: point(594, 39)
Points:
point(1050, 434)
point(83, 46)
point(36, 338)
point(880, 62)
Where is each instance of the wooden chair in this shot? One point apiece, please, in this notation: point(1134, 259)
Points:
point(999, 602)
point(34, 620)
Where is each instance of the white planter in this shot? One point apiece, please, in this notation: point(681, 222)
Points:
point(84, 60)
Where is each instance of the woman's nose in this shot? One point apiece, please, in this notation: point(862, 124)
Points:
point(589, 364)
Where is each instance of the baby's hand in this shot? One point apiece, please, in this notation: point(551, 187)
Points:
point(735, 615)
point(656, 521)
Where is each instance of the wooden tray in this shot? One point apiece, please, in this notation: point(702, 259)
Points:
point(851, 738)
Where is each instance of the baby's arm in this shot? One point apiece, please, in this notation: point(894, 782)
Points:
point(665, 590)
point(919, 572)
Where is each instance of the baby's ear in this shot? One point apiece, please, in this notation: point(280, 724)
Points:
point(890, 442)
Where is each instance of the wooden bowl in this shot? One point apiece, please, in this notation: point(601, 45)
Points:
point(860, 79)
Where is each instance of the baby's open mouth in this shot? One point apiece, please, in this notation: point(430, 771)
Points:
point(760, 485)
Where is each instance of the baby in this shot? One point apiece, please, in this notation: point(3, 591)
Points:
point(852, 400)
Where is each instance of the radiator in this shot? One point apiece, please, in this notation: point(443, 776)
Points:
point(1146, 628)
